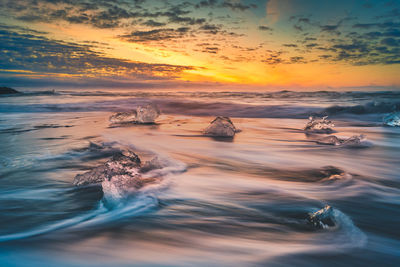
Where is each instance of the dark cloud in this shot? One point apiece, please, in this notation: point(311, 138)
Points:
point(297, 60)
point(329, 28)
point(186, 20)
point(216, 30)
point(207, 3)
point(231, 4)
point(290, 45)
point(333, 28)
point(390, 42)
point(19, 29)
point(305, 24)
point(113, 14)
point(307, 39)
point(143, 21)
point(300, 22)
point(364, 25)
point(277, 57)
point(212, 50)
point(155, 35)
point(325, 56)
point(383, 25)
point(372, 34)
point(265, 28)
point(273, 58)
point(237, 5)
point(152, 23)
point(353, 47)
point(393, 13)
point(100, 14)
point(304, 20)
point(392, 33)
point(361, 51)
point(298, 28)
point(27, 52)
point(210, 28)
point(312, 45)
point(357, 43)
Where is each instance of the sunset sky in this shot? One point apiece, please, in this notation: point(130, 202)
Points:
point(203, 43)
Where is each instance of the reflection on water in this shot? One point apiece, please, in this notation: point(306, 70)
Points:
point(243, 203)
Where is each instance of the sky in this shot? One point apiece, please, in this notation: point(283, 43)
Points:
point(250, 44)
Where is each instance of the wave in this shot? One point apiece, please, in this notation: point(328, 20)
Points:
point(37, 93)
point(284, 94)
point(144, 200)
point(240, 94)
point(343, 236)
point(185, 107)
point(347, 235)
point(99, 216)
point(52, 227)
point(197, 107)
point(368, 108)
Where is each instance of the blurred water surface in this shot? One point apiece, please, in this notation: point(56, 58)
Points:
point(240, 202)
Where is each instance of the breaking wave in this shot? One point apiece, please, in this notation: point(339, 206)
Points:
point(368, 108)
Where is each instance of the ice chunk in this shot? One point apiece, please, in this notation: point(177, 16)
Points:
point(123, 117)
point(221, 127)
point(143, 114)
point(154, 164)
point(355, 140)
point(322, 218)
point(330, 140)
point(122, 163)
point(319, 125)
point(393, 119)
point(147, 114)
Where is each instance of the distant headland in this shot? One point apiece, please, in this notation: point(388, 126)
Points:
point(7, 91)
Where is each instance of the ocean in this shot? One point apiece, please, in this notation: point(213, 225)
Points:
point(218, 202)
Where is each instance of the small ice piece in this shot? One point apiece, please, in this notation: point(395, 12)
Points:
point(120, 186)
point(94, 176)
point(322, 125)
point(154, 164)
point(147, 114)
point(331, 173)
point(123, 117)
point(355, 140)
point(330, 140)
point(221, 127)
point(119, 177)
point(143, 114)
point(392, 119)
point(322, 219)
